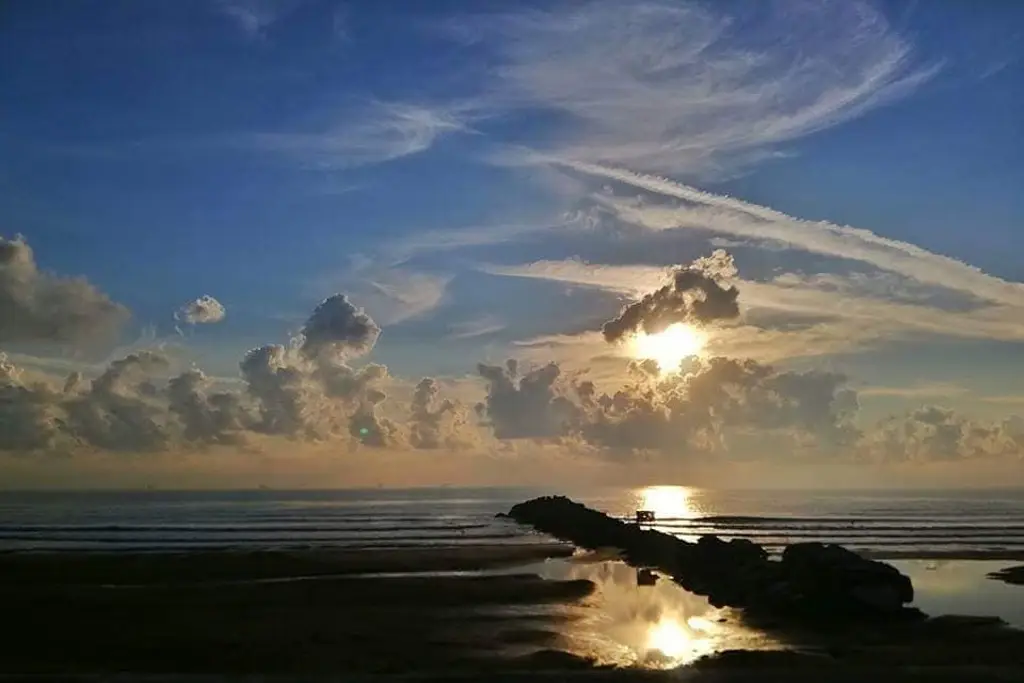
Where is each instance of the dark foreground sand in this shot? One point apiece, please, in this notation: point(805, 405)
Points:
point(232, 613)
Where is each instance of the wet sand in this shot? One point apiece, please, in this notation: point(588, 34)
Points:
point(322, 612)
point(247, 612)
point(45, 568)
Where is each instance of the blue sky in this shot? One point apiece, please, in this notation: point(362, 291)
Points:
point(494, 179)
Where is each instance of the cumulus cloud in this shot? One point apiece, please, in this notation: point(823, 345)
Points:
point(434, 422)
point(934, 433)
point(119, 411)
point(201, 311)
point(527, 406)
point(338, 329)
point(722, 405)
point(36, 306)
point(218, 417)
point(287, 398)
point(302, 391)
point(695, 294)
point(29, 420)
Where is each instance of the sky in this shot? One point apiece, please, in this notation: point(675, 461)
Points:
point(297, 242)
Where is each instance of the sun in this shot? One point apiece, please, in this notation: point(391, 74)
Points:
point(669, 347)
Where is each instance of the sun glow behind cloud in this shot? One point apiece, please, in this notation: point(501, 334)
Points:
point(669, 347)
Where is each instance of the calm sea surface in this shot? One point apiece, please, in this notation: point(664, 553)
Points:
point(888, 522)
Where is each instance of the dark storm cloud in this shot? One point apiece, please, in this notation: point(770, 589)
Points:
point(36, 306)
point(204, 310)
point(694, 295)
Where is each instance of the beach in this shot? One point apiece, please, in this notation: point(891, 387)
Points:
point(453, 605)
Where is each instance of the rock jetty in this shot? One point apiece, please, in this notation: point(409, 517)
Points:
point(811, 581)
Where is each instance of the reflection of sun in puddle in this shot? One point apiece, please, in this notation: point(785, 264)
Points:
point(660, 626)
point(679, 642)
point(669, 638)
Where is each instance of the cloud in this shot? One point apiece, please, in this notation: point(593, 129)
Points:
point(707, 213)
point(254, 17)
point(206, 417)
point(727, 408)
point(28, 418)
point(119, 411)
point(722, 406)
point(934, 433)
point(695, 294)
point(303, 391)
point(288, 400)
point(840, 313)
point(682, 87)
point(338, 328)
point(480, 327)
point(525, 407)
point(925, 390)
point(434, 423)
point(394, 294)
point(203, 310)
point(378, 133)
point(36, 306)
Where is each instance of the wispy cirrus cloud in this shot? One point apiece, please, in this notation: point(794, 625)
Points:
point(393, 294)
point(819, 318)
point(377, 133)
point(478, 327)
point(254, 17)
point(684, 87)
point(707, 213)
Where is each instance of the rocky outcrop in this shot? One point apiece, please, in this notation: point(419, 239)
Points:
point(810, 581)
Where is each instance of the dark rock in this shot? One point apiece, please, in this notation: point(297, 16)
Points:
point(841, 579)
point(813, 580)
point(1013, 575)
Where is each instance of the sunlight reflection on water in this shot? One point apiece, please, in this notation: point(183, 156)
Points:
point(659, 626)
point(667, 502)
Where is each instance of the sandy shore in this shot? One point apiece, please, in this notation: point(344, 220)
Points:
point(232, 612)
point(322, 612)
point(50, 569)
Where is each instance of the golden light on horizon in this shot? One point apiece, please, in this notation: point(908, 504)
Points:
point(669, 347)
point(667, 502)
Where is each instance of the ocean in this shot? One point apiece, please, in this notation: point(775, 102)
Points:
point(887, 523)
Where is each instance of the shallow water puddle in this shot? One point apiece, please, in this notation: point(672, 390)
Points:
point(659, 626)
point(963, 587)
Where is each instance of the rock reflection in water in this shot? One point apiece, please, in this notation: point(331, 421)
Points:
point(658, 625)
